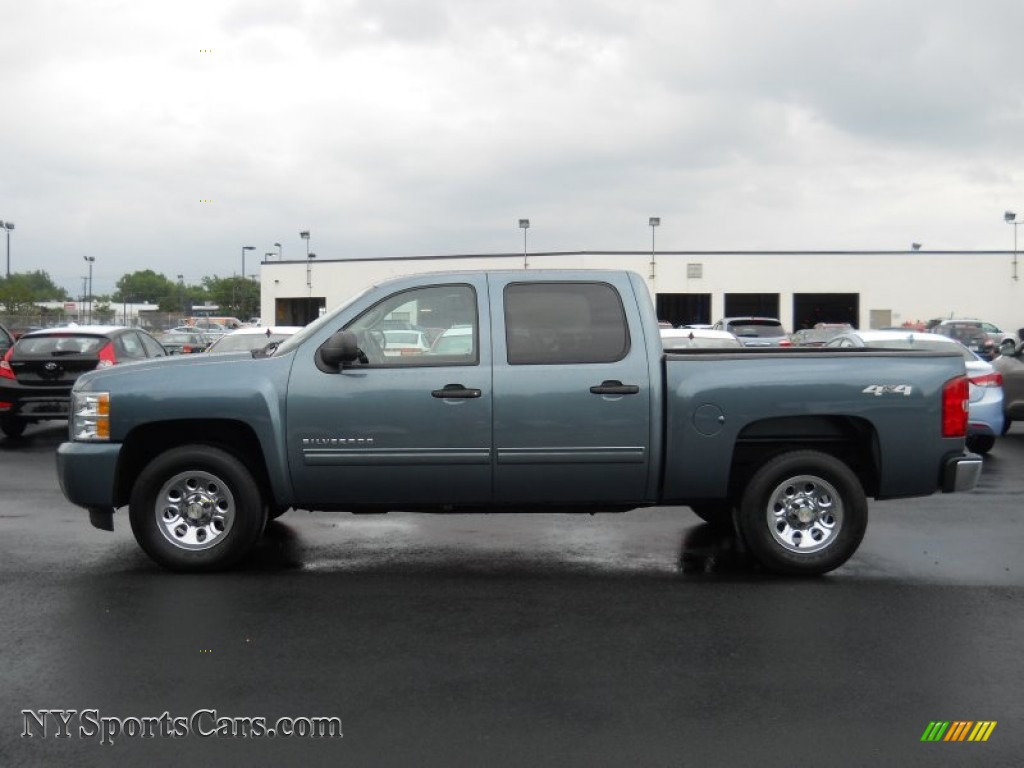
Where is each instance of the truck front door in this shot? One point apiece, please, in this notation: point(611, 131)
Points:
point(411, 424)
point(572, 392)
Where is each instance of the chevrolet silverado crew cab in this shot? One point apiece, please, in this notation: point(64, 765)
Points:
point(532, 391)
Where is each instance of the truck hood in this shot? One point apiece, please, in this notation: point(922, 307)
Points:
point(227, 368)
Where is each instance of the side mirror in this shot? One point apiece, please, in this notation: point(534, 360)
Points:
point(338, 350)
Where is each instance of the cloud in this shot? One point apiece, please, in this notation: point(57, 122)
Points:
point(400, 127)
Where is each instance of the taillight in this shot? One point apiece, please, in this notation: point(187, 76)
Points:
point(785, 343)
point(186, 350)
point(6, 372)
point(107, 356)
point(988, 380)
point(954, 407)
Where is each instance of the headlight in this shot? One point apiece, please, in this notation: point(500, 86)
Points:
point(90, 416)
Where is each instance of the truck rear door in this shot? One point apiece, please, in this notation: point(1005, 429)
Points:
point(572, 391)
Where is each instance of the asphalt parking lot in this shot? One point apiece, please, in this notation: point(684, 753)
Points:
point(641, 639)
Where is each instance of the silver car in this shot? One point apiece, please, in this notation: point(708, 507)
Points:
point(755, 331)
point(985, 408)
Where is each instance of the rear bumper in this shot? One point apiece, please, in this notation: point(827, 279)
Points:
point(35, 402)
point(961, 473)
point(87, 473)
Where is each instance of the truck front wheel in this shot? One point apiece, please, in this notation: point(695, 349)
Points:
point(196, 508)
point(803, 513)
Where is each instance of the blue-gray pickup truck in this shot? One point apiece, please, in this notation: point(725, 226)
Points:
point(513, 391)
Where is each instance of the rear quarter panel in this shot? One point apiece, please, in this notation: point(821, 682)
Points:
point(714, 398)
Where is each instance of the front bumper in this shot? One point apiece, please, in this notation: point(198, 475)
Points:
point(87, 473)
point(961, 473)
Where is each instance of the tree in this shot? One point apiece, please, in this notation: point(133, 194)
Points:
point(102, 313)
point(149, 287)
point(232, 293)
point(20, 291)
point(143, 286)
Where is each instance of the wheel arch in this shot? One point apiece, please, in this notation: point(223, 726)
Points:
point(852, 440)
point(147, 441)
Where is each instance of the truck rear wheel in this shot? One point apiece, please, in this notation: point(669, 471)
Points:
point(803, 513)
point(196, 508)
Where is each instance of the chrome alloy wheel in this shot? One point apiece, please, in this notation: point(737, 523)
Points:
point(194, 510)
point(805, 514)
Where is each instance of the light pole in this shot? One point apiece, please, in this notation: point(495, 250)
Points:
point(309, 272)
point(309, 286)
point(305, 236)
point(524, 224)
point(91, 260)
point(278, 246)
point(181, 292)
point(1011, 218)
point(8, 225)
point(653, 222)
point(241, 300)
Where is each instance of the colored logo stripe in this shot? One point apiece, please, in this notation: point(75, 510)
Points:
point(982, 730)
point(958, 730)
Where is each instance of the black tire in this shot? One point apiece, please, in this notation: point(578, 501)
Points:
point(980, 443)
point(12, 426)
point(717, 515)
point(803, 513)
point(196, 508)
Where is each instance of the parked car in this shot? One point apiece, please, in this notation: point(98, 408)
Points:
point(697, 338)
point(986, 339)
point(985, 407)
point(408, 342)
point(184, 342)
point(1011, 366)
point(755, 331)
point(38, 371)
point(457, 340)
point(248, 339)
point(819, 335)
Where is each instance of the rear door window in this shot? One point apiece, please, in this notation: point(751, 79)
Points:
point(564, 323)
point(129, 346)
point(152, 346)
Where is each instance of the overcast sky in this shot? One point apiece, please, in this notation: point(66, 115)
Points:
point(418, 127)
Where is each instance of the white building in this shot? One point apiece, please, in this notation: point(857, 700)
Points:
point(870, 289)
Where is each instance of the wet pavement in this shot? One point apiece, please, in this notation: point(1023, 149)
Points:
point(643, 638)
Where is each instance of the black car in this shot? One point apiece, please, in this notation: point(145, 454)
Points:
point(38, 371)
point(184, 343)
